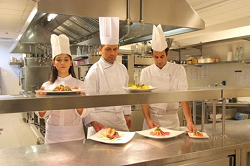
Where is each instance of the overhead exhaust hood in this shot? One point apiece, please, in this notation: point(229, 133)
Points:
point(78, 19)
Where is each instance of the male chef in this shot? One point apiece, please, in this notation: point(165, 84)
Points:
point(108, 75)
point(165, 76)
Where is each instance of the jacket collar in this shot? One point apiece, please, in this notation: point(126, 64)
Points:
point(165, 68)
point(65, 78)
point(105, 64)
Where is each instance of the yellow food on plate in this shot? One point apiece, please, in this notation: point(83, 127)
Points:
point(112, 134)
point(139, 86)
point(62, 88)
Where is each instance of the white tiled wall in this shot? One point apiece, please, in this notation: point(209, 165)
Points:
point(9, 76)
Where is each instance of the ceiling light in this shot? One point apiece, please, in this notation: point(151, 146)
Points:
point(51, 16)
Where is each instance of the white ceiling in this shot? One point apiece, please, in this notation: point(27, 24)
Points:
point(13, 13)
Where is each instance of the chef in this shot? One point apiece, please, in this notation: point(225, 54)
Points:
point(165, 76)
point(108, 75)
point(62, 125)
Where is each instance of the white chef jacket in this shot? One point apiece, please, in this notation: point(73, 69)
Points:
point(106, 77)
point(64, 125)
point(172, 77)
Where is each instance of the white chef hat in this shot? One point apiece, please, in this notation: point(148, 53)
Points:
point(60, 45)
point(158, 39)
point(109, 30)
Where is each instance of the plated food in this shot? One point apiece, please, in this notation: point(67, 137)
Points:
point(159, 132)
point(163, 133)
point(139, 88)
point(62, 88)
point(111, 136)
point(198, 134)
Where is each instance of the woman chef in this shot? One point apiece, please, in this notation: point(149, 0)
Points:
point(166, 77)
point(108, 75)
point(62, 125)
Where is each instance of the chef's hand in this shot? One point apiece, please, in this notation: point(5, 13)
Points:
point(128, 120)
point(191, 127)
point(151, 123)
point(97, 126)
point(41, 93)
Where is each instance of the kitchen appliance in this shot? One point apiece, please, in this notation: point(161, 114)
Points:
point(34, 76)
point(79, 20)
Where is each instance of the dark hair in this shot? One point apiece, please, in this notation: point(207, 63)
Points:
point(166, 50)
point(54, 72)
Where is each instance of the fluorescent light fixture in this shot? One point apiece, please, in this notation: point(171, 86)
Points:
point(51, 16)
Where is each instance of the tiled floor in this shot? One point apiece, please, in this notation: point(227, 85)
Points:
point(15, 132)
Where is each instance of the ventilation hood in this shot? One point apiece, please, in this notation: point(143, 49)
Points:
point(78, 19)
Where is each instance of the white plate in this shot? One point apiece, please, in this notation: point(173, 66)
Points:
point(191, 135)
point(173, 133)
point(139, 90)
point(125, 137)
point(61, 92)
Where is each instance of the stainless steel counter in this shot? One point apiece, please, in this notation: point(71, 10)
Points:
point(139, 151)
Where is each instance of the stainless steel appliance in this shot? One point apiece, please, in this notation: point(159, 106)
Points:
point(79, 20)
point(34, 76)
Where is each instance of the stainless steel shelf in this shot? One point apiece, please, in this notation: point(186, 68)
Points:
point(236, 92)
point(11, 104)
point(20, 103)
point(16, 63)
point(221, 62)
